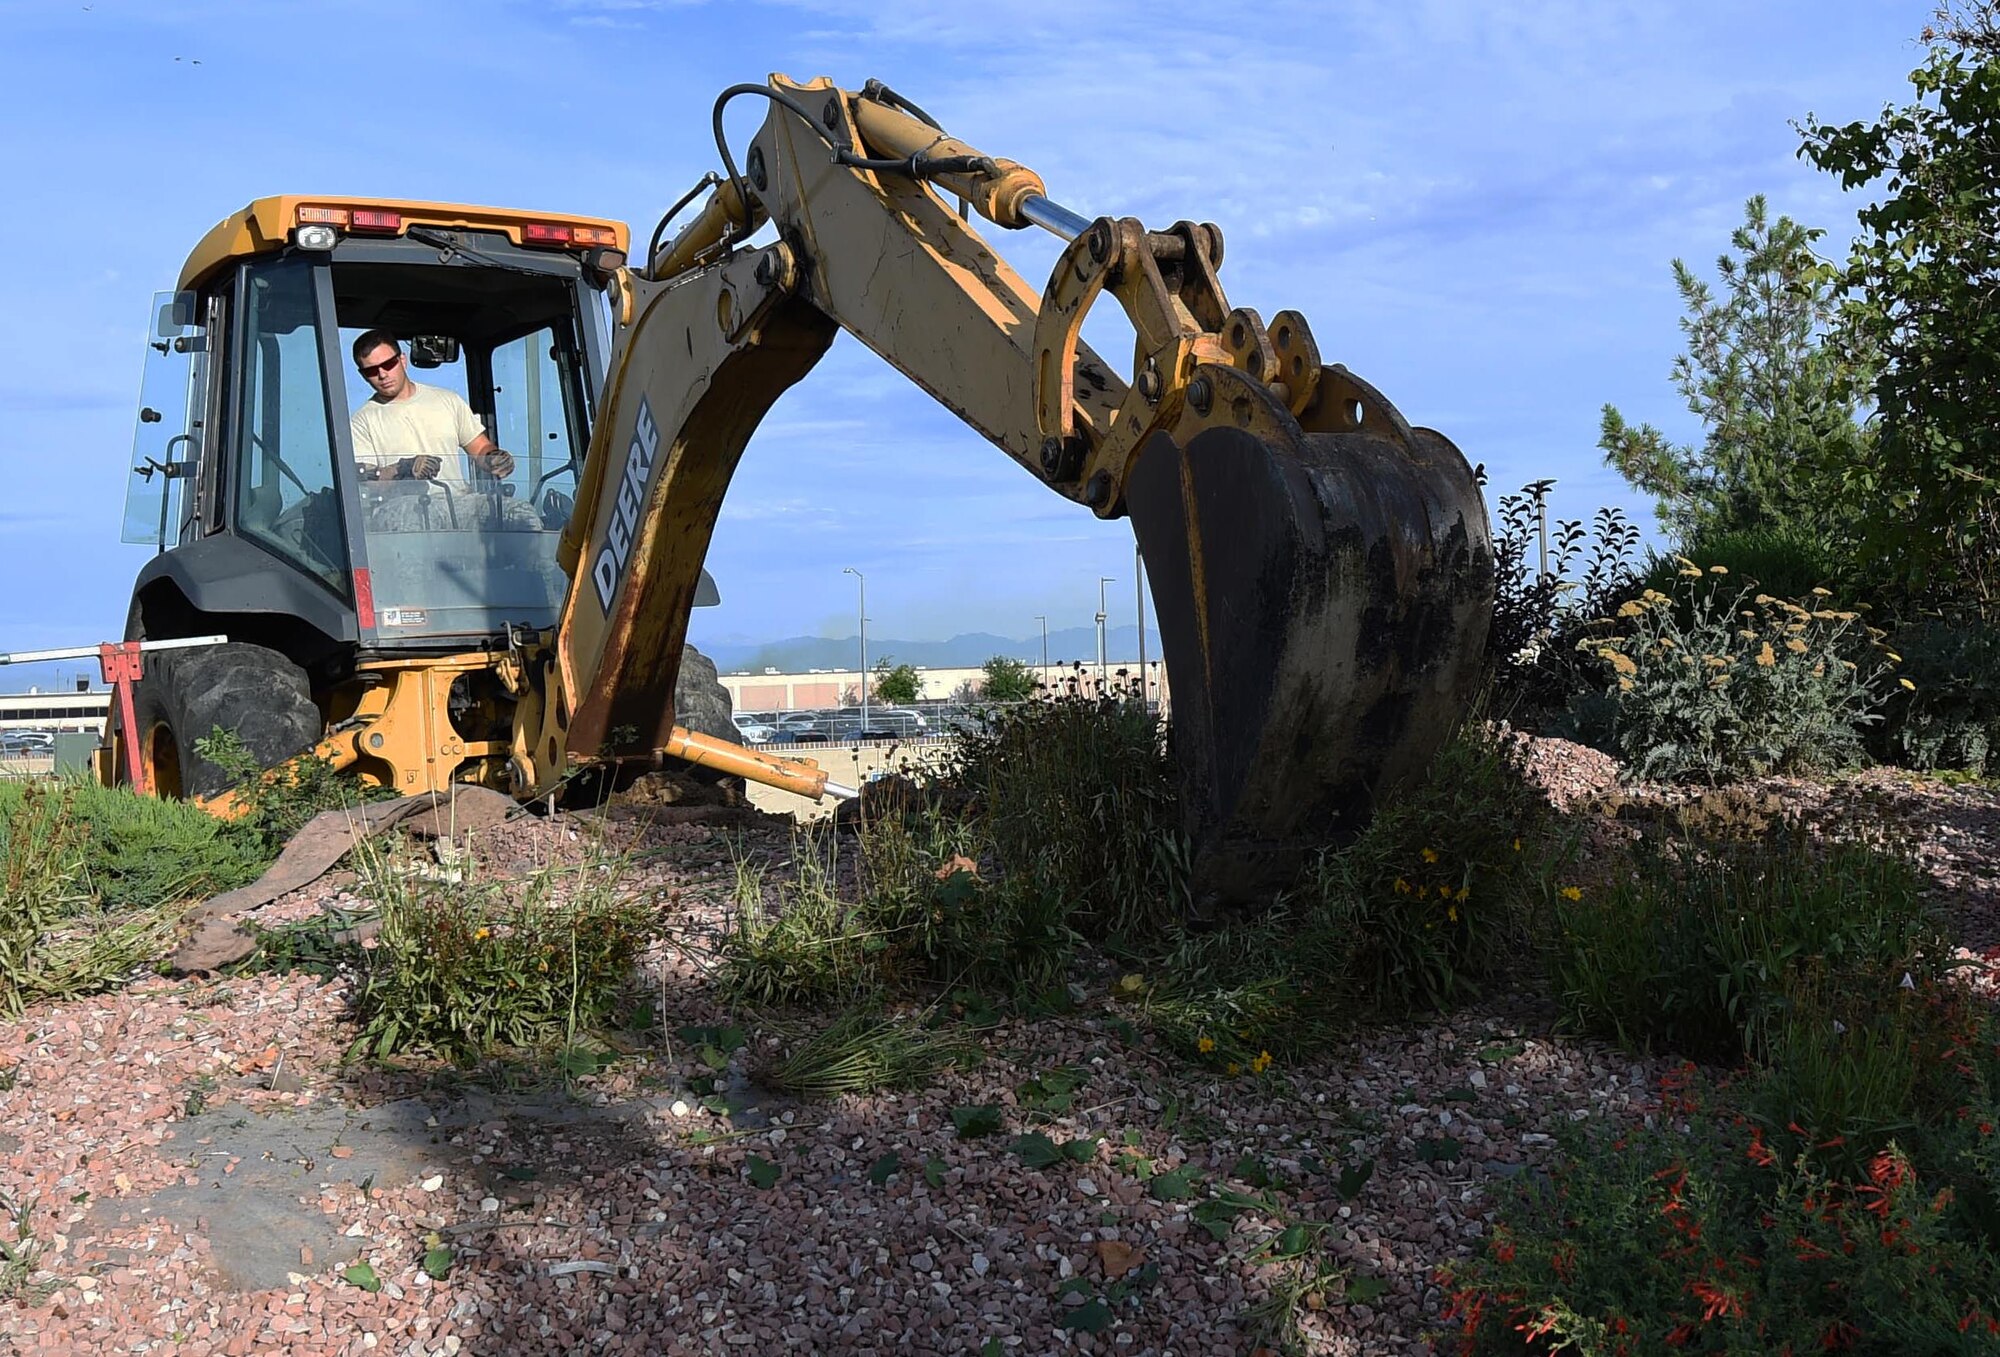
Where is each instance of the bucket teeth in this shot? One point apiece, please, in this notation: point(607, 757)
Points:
point(1323, 604)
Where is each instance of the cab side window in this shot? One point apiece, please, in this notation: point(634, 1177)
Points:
point(285, 496)
point(534, 385)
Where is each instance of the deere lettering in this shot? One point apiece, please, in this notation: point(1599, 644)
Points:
point(609, 567)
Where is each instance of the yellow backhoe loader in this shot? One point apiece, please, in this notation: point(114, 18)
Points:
point(1322, 569)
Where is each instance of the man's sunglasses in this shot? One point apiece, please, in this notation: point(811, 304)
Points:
point(385, 365)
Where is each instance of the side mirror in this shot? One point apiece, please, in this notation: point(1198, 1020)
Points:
point(429, 351)
point(176, 313)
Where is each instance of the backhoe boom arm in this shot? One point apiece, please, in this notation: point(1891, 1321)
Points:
point(1322, 570)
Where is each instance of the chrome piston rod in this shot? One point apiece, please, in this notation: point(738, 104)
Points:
point(1053, 217)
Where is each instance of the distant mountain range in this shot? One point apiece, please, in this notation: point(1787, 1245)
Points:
point(799, 654)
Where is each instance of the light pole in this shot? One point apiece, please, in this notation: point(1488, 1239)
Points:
point(1045, 650)
point(862, 583)
point(1102, 580)
point(1540, 490)
point(1139, 602)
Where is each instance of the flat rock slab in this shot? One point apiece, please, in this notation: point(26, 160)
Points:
point(260, 1214)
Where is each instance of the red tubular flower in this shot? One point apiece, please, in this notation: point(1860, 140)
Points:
point(1759, 1153)
point(1714, 1300)
point(1888, 1170)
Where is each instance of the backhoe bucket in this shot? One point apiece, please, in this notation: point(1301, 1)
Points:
point(1323, 604)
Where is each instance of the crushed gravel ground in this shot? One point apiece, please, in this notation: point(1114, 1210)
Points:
point(202, 1173)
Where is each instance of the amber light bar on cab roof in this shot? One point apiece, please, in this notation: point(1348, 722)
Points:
point(318, 228)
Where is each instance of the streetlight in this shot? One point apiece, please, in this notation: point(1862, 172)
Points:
point(1102, 580)
point(1045, 649)
point(863, 614)
point(1139, 601)
point(1540, 490)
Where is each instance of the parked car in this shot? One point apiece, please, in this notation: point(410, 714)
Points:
point(753, 730)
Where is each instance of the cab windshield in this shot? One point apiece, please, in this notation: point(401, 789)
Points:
point(462, 546)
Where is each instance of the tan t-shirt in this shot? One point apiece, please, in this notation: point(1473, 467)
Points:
point(430, 420)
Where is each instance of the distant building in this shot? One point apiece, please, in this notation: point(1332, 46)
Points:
point(770, 691)
point(55, 711)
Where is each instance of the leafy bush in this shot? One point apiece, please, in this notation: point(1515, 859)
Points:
point(463, 968)
point(1437, 891)
point(1785, 561)
point(58, 935)
point(1745, 1219)
point(1432, 898)
point(1530, 650)
point(1703, 946)
point(1716, 680)
point(277, 802)
point(1951, 719)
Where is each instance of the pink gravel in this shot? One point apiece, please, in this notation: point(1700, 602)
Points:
point(618, 1217)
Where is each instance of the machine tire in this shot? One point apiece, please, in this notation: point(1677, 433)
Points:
point(185, 694)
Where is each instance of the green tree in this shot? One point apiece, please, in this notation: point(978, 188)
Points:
point(1776, 400)
point(900, 684)
point(1007, 680)
point(1918, 290)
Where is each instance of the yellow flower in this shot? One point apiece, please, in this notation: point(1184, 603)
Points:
point(1571, 892)
point(1205, 1045)
point(1795, 645)
point(1766, 657)
point(482, 935)
point(1623, 664)
point(1261, 1063)
point(1402, 886)
point(1233, 1069)
point(1822, 593)
point(1430, 855)
point(1819, 669)
point(1907, 684)
point(1715, 661)
point(1894, 658)
point(1452, 914)
point(1624, 685)
point(1517, 845)
point(1764, 600)
point(1630, 610)
point(1691, 573)
point(1718, 570)
point(1423, 892)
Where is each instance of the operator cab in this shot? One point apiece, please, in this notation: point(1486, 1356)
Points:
point(244, 465)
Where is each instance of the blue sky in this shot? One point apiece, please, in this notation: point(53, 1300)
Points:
point(1474, 204)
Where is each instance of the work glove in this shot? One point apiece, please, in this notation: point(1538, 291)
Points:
point(420, 468)
point(500, 462)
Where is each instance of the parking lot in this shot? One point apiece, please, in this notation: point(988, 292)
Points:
point(846, 725)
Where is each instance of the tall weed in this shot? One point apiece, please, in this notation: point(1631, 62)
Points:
point(922, 915)
point(1077, 799)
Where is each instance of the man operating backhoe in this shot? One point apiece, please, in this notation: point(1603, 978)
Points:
point(408, 431)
